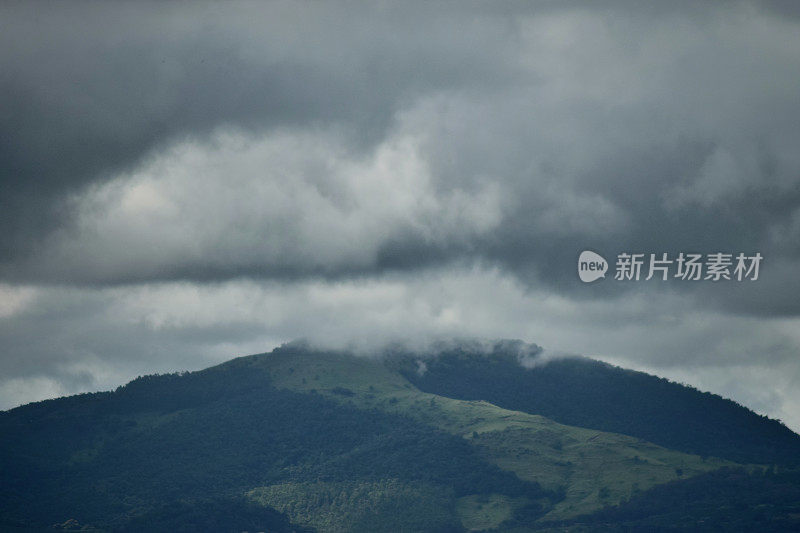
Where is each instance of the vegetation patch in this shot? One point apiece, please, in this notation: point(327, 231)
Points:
point(386, 505)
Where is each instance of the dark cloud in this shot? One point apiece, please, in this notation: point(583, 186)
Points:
point(621, 129)
point(179, 184)
point(89, 89)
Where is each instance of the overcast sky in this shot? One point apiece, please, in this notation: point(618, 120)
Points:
point(184, 183)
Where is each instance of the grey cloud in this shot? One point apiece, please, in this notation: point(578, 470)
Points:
point(100, 86)
point(622, 129)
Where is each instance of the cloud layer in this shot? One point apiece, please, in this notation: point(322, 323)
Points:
point(180, 184)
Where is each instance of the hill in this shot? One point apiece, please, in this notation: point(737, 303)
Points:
point(302, 440)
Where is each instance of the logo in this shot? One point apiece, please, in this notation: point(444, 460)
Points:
point(591, 266)
point(717, 266)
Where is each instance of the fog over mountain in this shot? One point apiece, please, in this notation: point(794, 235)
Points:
point(180, 184)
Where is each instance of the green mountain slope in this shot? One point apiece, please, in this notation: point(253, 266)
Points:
point(301, 440)
point(113, 460)
point(591, 468)
point(592, 394)
point(733, 500)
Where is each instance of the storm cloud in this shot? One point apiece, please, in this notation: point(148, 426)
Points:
point(181, 184)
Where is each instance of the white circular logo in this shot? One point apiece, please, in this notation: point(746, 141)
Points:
point(591, 266)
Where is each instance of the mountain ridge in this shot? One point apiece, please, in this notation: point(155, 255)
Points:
point(300, 439)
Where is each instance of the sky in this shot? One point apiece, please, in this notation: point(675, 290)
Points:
point(185, 183)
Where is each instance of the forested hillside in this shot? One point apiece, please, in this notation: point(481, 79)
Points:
point(592, 394)
point(301, 440)
point(113, 460)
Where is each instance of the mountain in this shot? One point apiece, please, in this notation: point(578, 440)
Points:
point(304, 440)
